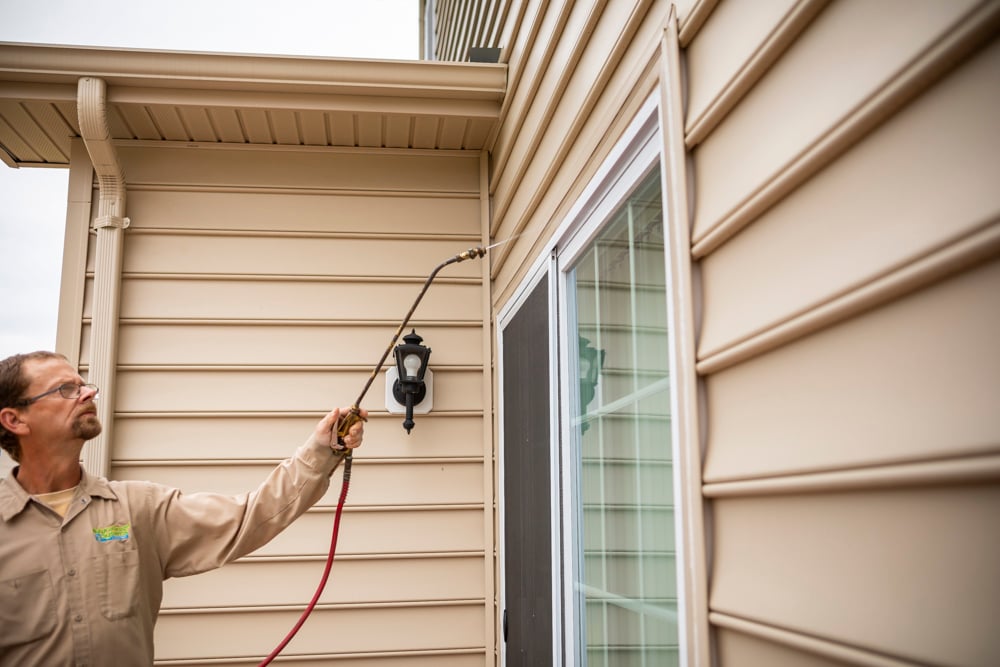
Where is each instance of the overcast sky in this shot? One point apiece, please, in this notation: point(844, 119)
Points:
point(34, 200)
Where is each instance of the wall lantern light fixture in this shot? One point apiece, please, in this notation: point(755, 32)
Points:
point(410, 388)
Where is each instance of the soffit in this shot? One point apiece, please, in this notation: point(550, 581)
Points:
point(172, 96)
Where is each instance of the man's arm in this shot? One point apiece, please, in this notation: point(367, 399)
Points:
point(202, 531)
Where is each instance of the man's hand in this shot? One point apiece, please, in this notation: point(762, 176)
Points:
point(326, 429)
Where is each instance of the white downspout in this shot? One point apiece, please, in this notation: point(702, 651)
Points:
point(110, 226)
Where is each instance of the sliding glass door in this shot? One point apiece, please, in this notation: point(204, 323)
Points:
point(623, 576)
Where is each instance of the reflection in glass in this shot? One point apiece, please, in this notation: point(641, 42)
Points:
point(624, 574)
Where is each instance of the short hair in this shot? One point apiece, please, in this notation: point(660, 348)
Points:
point(13, 384)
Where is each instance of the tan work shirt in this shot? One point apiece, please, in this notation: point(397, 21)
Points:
point(85, 590)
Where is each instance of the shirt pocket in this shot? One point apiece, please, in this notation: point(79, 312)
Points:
point(27, 608)
point(117, 583)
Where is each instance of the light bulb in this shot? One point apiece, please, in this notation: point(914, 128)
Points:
point(411, 363)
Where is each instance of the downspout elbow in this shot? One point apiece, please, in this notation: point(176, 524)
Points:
point(92, 96)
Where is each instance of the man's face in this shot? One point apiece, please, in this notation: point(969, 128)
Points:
point(54, 416)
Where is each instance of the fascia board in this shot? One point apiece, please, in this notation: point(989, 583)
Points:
point(41, 63)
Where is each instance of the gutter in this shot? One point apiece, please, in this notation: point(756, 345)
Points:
point(214, 74)
point(109, 226)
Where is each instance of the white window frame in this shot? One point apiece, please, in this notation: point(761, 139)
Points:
point(636, 153)
point(641, 146)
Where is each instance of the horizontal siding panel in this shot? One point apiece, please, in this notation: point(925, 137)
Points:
point(534, 103)
point(528, 56)
point(776, 121)
point(291, 255)
point(877, 569)
point(411, 483)
point(256, 344)
point(144, 297)
point(387, 213)
point(382, 532)
point(301, 169)
point(916, 379)
point(737, 648)
point(275, 390)
point(349, 630)
point(536, 214)
point(879, 206)
point(727, 40)
point(533, 153)
point(352, 581)
point(274, 437)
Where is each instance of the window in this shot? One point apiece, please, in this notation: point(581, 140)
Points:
point(601, 300)
point(623, 576)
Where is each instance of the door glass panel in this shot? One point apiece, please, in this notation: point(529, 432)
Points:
point(624, 577)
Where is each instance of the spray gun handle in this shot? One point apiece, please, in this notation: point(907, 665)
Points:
point(346, 422)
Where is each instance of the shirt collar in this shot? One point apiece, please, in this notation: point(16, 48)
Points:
point(13, 497)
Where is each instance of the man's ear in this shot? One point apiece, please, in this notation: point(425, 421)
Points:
point(11, 420)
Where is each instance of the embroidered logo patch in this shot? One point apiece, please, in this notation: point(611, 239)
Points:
point(112, 533)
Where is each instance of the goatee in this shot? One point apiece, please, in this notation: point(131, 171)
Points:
point(87, 427)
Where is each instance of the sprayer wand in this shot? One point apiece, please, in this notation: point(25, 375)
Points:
point(352, 417)
point(348, 420)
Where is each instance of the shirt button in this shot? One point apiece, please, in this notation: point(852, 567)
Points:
point(72, 573)
point(78, 618)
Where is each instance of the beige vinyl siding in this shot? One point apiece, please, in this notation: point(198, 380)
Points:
point(845, 223)
point(584, 107)
point(826, 87)
point(941, 143)
point(259, 288)
point(843, 162)
point(461, 25)
point(578, 74)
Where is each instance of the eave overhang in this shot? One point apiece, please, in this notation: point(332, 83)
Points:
point(174, 96)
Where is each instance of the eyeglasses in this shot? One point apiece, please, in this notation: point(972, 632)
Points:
point(67, 390)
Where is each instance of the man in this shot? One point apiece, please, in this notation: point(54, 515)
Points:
point(82, 558)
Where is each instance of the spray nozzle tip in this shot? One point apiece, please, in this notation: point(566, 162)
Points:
point(473, 253)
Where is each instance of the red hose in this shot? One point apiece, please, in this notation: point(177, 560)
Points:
point(326, 571)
